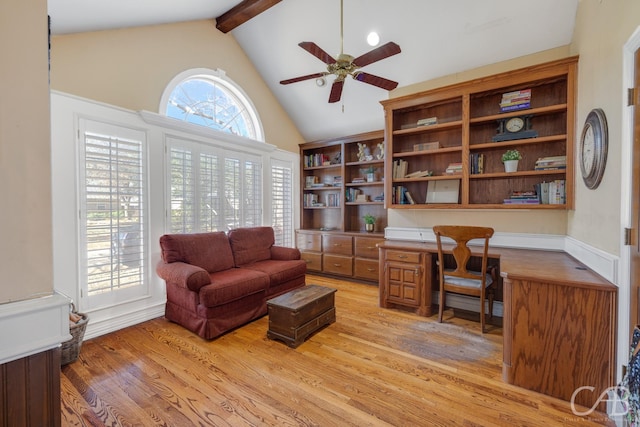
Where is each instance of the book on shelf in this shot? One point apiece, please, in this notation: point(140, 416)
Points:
point(551, 163)
point(399, 195)
point(515, 100)
point(476, 161)
point(332, 199)
point(399, 168)
point(428, 121)
point(310, 200)
point(351, 194)
point(552, 193)
point(409, 198)
point(337, 181)
point(454, 168)
point(425, 146)
point(521, 197)
point(419, 174)
point(315, 160)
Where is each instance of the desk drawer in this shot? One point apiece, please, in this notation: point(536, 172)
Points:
point(337, 264)
point(403, 256)
point(313, 260)
point(365, 247)
point(309, 242)
point(337, 244)
point(366, 269)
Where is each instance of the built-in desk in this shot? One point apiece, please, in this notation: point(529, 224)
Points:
point(559, 324)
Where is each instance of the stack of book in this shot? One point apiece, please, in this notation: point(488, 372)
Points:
point(337, 181)
point(399, 168)
point(477, 163)
point(516, 100)
point(523, 198)
point(419, 174)
point(551, 163)
point(454, 169)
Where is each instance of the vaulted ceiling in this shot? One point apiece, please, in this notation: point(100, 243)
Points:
point(437, 38)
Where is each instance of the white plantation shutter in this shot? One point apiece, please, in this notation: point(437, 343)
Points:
point(212, 189)
point(282, 202)
point(113, 192)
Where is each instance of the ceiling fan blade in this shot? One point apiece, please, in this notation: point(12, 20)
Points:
point(302, 78)
point(317, 51)
point(384, 51)
point(336, 90)
point(380, 82)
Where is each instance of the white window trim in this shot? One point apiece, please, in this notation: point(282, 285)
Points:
point(227, 82)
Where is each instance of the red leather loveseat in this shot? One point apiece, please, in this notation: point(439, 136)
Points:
point(218, 281)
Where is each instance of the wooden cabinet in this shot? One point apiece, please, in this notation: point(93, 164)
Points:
point(459, 141)
point(405, 280)
point(353, 255)
point(342, 180)
point(560, 335)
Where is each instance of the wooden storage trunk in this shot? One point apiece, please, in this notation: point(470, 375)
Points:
point(299, 313)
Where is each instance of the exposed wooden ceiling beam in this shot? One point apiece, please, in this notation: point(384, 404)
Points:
point(241, 13)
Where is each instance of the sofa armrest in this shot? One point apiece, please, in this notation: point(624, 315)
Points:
point(283, 254)
point(185, 275)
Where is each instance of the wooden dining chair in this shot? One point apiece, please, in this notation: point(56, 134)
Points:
point(460, 280)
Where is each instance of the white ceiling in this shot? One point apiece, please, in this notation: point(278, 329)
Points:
point(437, 38)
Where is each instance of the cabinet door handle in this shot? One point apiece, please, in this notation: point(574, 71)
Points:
point(417, 272)
point(337, 265)
point(371, 270)
point(402, 256)
point(337, 244)
point(308, 261)
point(371, 247)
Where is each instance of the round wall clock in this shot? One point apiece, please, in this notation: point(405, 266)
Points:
point(593, 148)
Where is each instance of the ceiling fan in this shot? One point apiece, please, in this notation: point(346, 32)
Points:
point(346, 65)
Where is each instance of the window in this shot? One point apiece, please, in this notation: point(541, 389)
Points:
point(282, 202)
point(212, 189)
point(112, 211)
point(209, 98)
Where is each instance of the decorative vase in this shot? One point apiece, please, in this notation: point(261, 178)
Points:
point(510, 165)
point(369, 227)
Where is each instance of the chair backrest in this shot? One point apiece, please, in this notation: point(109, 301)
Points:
point(462, 234)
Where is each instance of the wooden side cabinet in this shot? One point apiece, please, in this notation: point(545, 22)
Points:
point(405, 280)
point(559, 337)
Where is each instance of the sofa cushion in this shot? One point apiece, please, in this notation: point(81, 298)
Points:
point(210, 251)
point(280, 271)
point(232, 284)
point(251, 244)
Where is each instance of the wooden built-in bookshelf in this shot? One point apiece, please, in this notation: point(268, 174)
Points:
point(467, 117)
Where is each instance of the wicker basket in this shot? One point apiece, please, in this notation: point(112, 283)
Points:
point(71, 348)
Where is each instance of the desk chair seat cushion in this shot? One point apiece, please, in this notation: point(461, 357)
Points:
point(468, 283)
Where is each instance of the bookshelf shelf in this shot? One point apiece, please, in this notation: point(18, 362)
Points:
point(469, 120)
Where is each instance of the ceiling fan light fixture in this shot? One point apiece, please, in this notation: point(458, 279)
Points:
point(321, 81)
point(373, 38)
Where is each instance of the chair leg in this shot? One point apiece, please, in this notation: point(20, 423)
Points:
point(441, 305)
point(482, 315)
point(491, 305)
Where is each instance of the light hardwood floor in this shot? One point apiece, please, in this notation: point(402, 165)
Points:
point(372, 367)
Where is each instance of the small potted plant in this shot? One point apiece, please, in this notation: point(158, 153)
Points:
point(510, 159)
point(370, 173)
point(369, 222)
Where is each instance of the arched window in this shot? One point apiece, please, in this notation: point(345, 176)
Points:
point(209, 98)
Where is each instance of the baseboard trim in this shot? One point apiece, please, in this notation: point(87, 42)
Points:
point(98, 327)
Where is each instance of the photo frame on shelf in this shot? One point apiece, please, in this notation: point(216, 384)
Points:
point(443, 191)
